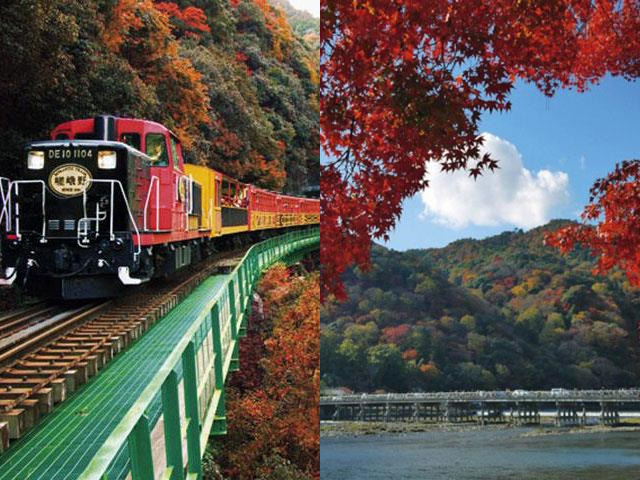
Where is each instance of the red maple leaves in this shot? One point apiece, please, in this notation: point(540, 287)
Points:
point(273, 402)
point(191, 21)
point(612, 220)
point(404, 86)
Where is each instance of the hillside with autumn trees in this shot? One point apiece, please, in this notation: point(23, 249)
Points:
point(503, 312)
point(272, 401)
point(232, 78)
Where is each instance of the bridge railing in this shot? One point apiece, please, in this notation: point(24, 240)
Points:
point(478, 396)
point(205, 354)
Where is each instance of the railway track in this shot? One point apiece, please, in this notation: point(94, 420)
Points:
point(16, 320)
point(47, 351)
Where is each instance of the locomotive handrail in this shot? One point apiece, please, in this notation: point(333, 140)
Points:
point(7, 205)
point(154, 178)
point(112, 236)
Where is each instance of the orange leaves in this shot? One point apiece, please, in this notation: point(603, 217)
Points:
point(410, 355)
point(406, 88)
point(277, 409)
point(140, 32)
point(124, 18)
point(396, 335)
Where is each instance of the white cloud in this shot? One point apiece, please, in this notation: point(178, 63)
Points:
point(510, 195)
point(311, 6)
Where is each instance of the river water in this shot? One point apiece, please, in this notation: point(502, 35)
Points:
point(482, 455)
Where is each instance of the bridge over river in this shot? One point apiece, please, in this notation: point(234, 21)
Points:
point(566, 407)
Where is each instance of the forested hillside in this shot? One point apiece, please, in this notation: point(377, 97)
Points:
point(230, 77)
point(278, 381)
point(504, 312)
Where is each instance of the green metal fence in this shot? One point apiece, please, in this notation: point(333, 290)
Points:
point(206, 353)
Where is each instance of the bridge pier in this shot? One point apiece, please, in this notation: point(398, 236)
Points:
point(490, 413)
point(403, 412)
point(526, 413)
point(458, 412)
point(377, 412)
point(567, 414)
point(609, 413)
point(427, 411)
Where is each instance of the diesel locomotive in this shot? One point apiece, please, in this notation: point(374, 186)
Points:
point(109, 202)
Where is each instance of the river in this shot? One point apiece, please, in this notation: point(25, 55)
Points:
point(481, 455)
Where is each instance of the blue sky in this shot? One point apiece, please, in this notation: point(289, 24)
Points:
point(553, 149)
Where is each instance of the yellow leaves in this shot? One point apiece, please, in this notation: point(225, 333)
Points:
point(519, 290)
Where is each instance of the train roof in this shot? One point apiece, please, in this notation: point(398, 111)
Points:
point(88, 125)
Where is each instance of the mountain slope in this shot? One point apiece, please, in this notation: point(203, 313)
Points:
point(504, 312)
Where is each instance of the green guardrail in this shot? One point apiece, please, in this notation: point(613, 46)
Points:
point(204, 402)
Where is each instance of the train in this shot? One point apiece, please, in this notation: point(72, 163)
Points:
point(109, 202)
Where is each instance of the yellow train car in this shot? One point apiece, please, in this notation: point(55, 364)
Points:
point(226, 206)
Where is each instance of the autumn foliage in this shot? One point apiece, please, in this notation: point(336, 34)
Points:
point(611, 223)
point(141, 33)
point(233, 82)
point(404, 85)
point(190, 21)
point(272, 401)
point(496, 313)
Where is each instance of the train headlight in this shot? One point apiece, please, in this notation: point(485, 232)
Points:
point(107, 159)
point(35, 160)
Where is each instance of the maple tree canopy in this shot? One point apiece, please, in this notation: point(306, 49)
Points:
point(611, 223)
point(404, 84)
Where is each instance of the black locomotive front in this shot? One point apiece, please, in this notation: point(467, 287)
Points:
point(71, 221)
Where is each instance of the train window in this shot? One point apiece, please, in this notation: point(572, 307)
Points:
point(62, 136)
point(174, 153)
point(156, 148)
point(131, 139)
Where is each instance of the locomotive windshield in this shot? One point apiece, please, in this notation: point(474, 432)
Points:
point(156, 149)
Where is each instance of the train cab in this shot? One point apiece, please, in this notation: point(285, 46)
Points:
point(169, 192)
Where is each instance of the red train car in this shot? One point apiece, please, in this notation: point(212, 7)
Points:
point(110, 201)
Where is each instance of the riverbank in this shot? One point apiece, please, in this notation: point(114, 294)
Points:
point(356, 429)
